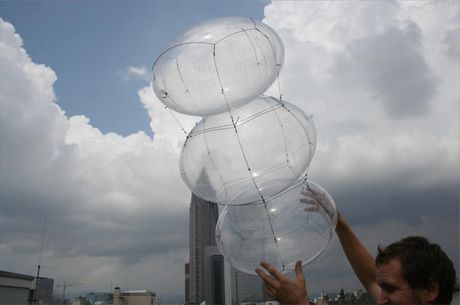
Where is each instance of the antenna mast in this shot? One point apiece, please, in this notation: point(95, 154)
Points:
point(34, 299)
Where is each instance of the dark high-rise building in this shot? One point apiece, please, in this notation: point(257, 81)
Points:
point(187, 283)
point(203, 219)
point(214, 280)
point(45, 290)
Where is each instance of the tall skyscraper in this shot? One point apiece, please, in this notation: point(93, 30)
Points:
point(187, 283)
point(204, 275)
point(214, 280)
point(203, 219)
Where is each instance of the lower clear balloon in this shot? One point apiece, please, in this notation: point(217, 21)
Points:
point(296, 224)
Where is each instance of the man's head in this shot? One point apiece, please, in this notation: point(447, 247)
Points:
point(414, 271)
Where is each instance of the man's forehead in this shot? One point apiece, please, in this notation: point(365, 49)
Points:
point(390, 272)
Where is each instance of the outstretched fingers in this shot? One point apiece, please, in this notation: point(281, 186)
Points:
point(273, 271)
point(268, 280)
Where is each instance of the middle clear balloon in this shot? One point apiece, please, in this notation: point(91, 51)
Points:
point(248, 154)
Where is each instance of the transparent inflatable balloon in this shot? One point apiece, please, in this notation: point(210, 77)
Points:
point(251, 153)
point(297, 223)
point(218, 65)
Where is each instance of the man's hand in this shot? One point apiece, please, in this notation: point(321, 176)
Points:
point(282, 288)
point(316, 201)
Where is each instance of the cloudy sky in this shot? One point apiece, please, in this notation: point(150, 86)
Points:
point(85, 143)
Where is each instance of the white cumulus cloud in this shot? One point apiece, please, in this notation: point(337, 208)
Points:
point(135, 72)
point(104, 195)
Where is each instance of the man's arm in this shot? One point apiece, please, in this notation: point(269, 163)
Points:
point(362, 262)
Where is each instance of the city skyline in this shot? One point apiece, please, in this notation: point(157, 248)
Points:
point(20, 289)
point(85, 142)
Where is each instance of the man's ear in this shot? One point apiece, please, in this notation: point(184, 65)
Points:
point(432, 291)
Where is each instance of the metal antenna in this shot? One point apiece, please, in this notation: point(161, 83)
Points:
point(37, 280)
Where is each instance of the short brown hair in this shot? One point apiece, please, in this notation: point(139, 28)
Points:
point(422, 262)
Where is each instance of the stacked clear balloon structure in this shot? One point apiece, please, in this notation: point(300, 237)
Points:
point(250, 152)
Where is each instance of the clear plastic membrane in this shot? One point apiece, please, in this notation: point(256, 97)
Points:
point(251, 153)
point(297, 223)
point(218, 65)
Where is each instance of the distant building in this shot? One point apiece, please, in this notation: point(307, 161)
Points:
point(19, 289)
point(15, 288)
point(363, 297)
point(133, 297)
point(93, 298)
point(359, 297)
point(79, 301)
point(247, 288)
point(45, 290)
point(214, 280)
point(187, 283)
point(203, 219)
point(204, 274)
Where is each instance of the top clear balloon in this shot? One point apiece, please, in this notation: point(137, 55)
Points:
point(218, 65)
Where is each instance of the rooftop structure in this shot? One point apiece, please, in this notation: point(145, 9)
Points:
point(133, 297)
